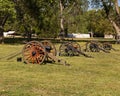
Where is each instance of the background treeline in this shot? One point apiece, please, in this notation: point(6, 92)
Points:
point(47, 18)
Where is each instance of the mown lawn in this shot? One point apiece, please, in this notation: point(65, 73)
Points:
point(98, 76)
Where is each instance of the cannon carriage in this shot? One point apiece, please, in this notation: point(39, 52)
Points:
point(95, 46)
point(71, 49)
point(40, 52)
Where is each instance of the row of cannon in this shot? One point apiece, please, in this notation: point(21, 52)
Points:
point(36, 52)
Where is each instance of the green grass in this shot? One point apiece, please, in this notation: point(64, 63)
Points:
point(98, 76)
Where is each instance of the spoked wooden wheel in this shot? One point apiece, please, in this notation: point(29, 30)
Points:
point(63, 49)
point(94, 47)
point(87, 49)
point(76, 46)
point(107, 46)
point(69, 49)
point(49, 47)
point(34, 52)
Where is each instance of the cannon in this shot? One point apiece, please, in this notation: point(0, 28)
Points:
point(40, 52)
point(107, 46)
point(36, 52)
point(95, 46)
point(71, 49)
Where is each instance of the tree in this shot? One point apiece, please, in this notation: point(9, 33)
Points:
point(47, 15)
point(70, 13)
point(98, 24)
point(6, 11)
point(41, 13)
point(112, 12)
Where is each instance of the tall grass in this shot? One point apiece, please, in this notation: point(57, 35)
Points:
point(98, 76)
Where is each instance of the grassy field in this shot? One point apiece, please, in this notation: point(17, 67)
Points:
point(98, 76)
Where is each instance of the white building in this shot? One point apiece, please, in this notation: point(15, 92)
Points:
point(109, 36)
point(78, 35)
point(8, 34)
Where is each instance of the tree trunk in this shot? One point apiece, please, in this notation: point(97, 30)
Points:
point(117, 28)
point(2, 28)
point(61, 13)
point(61, 19)
point(28, 33)
point(117, 7)
point(1, 35)
point(29, 36)
point(115, 23)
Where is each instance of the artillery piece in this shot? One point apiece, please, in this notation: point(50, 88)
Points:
point(71, 49)
point(38, 52)
point(95, 46)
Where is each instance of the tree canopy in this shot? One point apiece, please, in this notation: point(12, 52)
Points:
point(43, 17)
point(111, 11)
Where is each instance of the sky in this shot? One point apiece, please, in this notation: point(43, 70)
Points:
point(92, 8)
point(119, 2)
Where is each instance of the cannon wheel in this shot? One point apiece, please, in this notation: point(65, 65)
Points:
point(92, 46)
point(64, 51)
point(107, 46)
point(34, 52)
point(77, 47)
point(50, 48)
